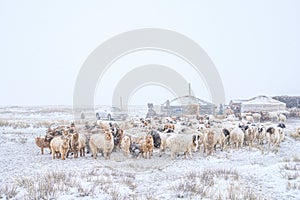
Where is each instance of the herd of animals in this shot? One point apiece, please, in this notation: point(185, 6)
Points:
point(138, 138)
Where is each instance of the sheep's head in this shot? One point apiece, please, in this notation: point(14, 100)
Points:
point(195, 144)
point(271, 130)
point(226, 132)
point(260, 129)
point(75, 136)
point(281, 125)
point(156, 138)
point(149, 139)
point(66, 142)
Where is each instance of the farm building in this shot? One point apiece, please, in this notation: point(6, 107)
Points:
point(187, 105)
point(257, 104)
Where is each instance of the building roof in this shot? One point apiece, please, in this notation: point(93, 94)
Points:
point(262, 100)
point(186, 100)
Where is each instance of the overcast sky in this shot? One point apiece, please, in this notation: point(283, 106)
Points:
point(255, 46)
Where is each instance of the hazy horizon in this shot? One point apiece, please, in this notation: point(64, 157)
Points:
point(254, 45)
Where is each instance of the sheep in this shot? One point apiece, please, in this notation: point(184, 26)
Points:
point(249, 119)
point(77, 144)
point(281, 133)
point(102, 141)
point(237, 137)
point(296, 134)
point(146, 146)
point(230, 118)
point(209, 142)
point(261, 134)
point(117, 134)
point(213, 138)
point(42, 143)
point(202, 128)
point(256, 117)
point(281, 118)
point(280, 128)
point(102, 125)
point(250, 135)
point(125, 145)
point(82, 144)
point(163, 145)
point(201, 140)
point(60, 147)
point(273, 137)
point(182, 143)
point(135, 149)
point(273, 116)
point(55, 146)
point(221, 136)
point(74, 144)
point(226, 133)
point(156, 138)
point(51, 133)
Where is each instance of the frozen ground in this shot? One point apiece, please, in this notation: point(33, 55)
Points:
point(232, 174)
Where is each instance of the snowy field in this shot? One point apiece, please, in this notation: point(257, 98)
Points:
point(231, 174)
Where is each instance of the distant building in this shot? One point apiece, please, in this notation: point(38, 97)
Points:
point(186, 105)
point(257, 104)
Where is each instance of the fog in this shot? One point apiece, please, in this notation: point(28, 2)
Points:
point(254, 45)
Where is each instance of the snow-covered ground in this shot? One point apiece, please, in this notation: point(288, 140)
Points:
point(232, 174)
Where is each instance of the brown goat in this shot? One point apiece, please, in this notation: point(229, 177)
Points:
point(42, 143)
point(147, 146)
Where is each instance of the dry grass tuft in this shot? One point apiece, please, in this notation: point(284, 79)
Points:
point(47, 186)
point(206, 184)
point(291, 172)
point(8, 191)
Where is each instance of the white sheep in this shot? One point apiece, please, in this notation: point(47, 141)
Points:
point(273, 136)
point(273, 116)
point(237, 137)
point(230, 118)
point(281, 118)
point(281, 133)
point(82, 144)
point(256, 117)
point(163, 141)
point(178, 143)
point(261, 134)
point(103, 142)
point(250, 135)
point(249, 118)
point(60, 147)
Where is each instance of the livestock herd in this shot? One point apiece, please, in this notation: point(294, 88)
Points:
point(140, 137)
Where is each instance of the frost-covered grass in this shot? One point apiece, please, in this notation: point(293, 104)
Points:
point(212, 184)
point(228, 174)
point(290, 171)
point(108, 183)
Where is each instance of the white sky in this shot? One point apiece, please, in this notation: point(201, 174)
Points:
point(254, 45)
